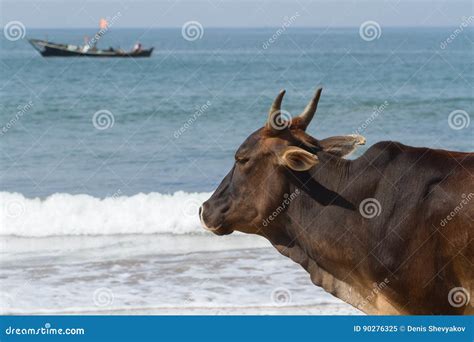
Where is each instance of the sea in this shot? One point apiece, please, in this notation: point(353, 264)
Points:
point(104, 162)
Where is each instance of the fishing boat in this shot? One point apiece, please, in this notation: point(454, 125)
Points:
point(50, 49)
point(89, 49)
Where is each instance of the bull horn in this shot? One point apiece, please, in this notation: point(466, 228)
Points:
point(275, 111)
point(308, 113)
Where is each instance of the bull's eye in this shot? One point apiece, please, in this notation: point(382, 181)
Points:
point(241, 160)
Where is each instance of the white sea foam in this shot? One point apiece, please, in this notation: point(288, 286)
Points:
point(66, 214)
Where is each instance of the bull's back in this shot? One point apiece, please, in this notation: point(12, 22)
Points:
point(429, 214)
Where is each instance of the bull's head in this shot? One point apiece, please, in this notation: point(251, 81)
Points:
point(258, 181)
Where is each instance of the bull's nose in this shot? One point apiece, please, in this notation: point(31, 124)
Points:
point(201, 217)
point(201, 211)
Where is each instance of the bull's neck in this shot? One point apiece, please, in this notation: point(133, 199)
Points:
point(331, 181)
point(318, 220)
point(333, 171)
point(330, 197)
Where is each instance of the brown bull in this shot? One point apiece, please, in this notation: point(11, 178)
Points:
point(390, 232)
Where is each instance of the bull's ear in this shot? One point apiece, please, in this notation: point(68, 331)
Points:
point(297, 159)
point(342, 146)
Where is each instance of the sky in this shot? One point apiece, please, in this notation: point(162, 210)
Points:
point(235, 13)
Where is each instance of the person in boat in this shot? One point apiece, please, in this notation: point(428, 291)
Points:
point(86, 46)
point(137, 47)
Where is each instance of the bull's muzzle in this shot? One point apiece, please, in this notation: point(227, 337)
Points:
point(203, 222)
point(212, 227)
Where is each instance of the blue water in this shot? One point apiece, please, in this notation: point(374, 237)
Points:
point(54, 146)
point(140, 252)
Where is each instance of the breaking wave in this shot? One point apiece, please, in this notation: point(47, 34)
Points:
point(66, 214)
